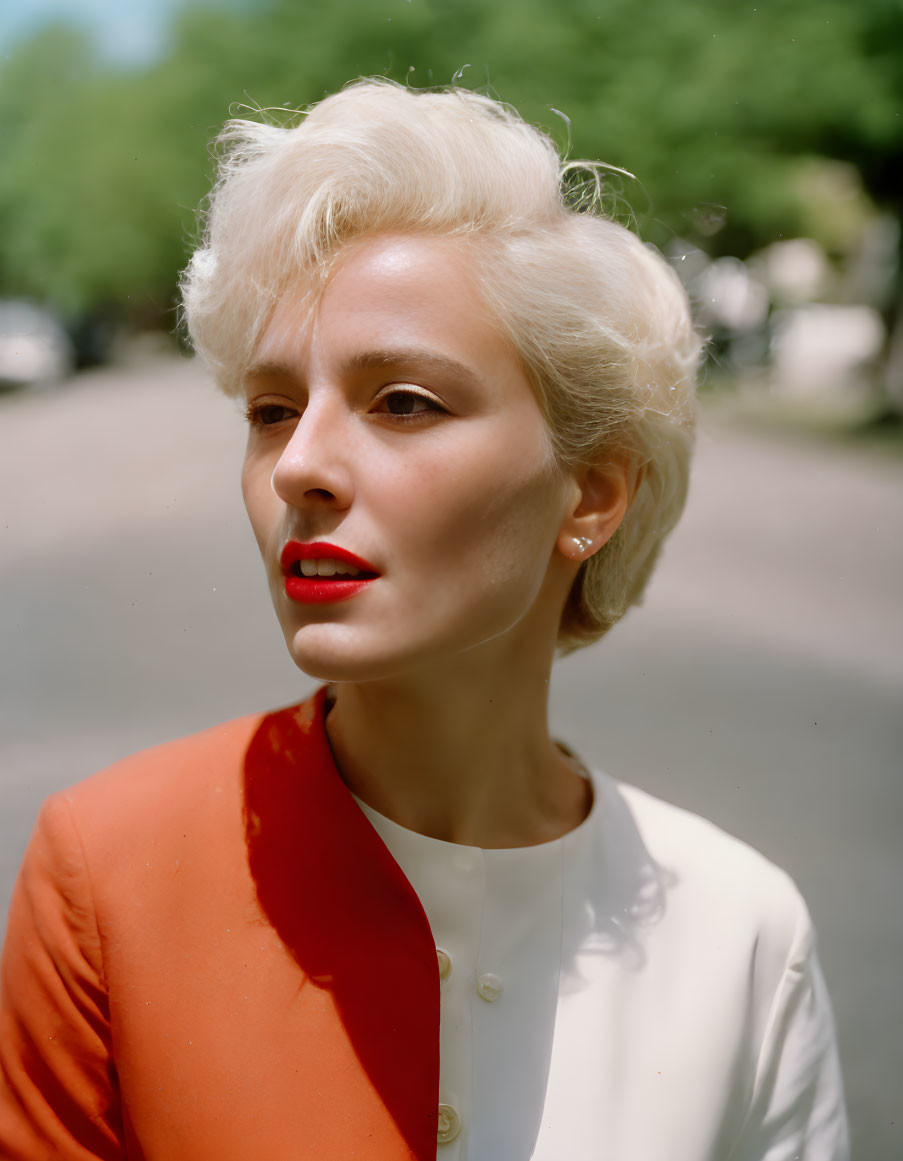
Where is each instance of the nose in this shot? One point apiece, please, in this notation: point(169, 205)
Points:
point(314, 466)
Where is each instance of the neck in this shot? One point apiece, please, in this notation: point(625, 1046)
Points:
point(462, 754)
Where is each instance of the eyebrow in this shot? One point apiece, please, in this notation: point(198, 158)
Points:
point(377, 358)
point(269, 368)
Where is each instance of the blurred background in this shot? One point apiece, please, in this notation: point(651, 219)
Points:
point(761, 684)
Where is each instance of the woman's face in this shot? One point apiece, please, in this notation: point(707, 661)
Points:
point(394, 421)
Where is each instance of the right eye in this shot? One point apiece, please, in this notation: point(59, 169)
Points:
point(268, 414)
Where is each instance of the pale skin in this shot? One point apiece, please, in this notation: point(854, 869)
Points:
point(442, 664)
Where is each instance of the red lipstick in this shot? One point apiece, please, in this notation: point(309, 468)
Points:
point(316, 590)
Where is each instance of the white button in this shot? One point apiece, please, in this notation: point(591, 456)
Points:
point(445, 963)
point(489, 986)
point(449, 1124)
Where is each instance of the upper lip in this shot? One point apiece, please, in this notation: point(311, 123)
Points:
point(295, 550)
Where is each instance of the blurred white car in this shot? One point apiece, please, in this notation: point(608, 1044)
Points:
point(34, 347)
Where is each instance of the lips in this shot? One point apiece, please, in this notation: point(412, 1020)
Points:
point(318, 589)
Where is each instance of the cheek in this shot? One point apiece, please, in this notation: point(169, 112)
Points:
point(258, 496)
point(487, 516)
point(521, 523)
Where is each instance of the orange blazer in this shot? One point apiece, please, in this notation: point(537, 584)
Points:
point(211, 955)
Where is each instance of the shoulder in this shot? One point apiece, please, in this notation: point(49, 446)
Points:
point(714, 886)
point(702, 851)
point(156, 830)
point(186, 792)
point(176, 770)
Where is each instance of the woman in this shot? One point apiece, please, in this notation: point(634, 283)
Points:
point(398, 920)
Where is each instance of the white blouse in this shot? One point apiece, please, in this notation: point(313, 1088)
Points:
point(644, 988)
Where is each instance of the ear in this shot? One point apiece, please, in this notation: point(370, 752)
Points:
point(599, 499)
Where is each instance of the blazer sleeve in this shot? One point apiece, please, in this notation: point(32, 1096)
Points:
point(798, 1106)
point(58, 1088)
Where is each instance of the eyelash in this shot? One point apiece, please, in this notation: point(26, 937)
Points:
point(255, 412)
point(434, 407)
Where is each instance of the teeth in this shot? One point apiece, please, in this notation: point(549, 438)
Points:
point(327, 567)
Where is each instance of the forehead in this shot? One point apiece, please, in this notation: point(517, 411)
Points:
point(392, 290)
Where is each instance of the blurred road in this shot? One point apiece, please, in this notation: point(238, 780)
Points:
point(760, 685)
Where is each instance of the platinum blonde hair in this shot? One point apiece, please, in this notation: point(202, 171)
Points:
point(600, 321)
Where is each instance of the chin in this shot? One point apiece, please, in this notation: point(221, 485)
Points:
point(329, 653)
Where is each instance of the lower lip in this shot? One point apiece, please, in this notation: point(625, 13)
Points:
point(316, 591)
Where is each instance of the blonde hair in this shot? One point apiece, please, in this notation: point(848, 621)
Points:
point(600, 321)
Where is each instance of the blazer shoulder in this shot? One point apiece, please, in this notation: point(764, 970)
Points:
point(164, 778)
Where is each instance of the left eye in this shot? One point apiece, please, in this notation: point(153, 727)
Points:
point(405, 403)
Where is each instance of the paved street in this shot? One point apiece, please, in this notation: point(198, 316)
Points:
point(760, 685)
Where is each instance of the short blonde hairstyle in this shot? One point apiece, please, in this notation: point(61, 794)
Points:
point(600, 321)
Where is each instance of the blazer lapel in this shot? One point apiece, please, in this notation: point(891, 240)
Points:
point(346, 913)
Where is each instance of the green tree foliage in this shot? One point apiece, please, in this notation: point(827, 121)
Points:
point(713, 103)
point(85, 212)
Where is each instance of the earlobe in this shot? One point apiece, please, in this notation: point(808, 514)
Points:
point(577, 547)
point(603, 494)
